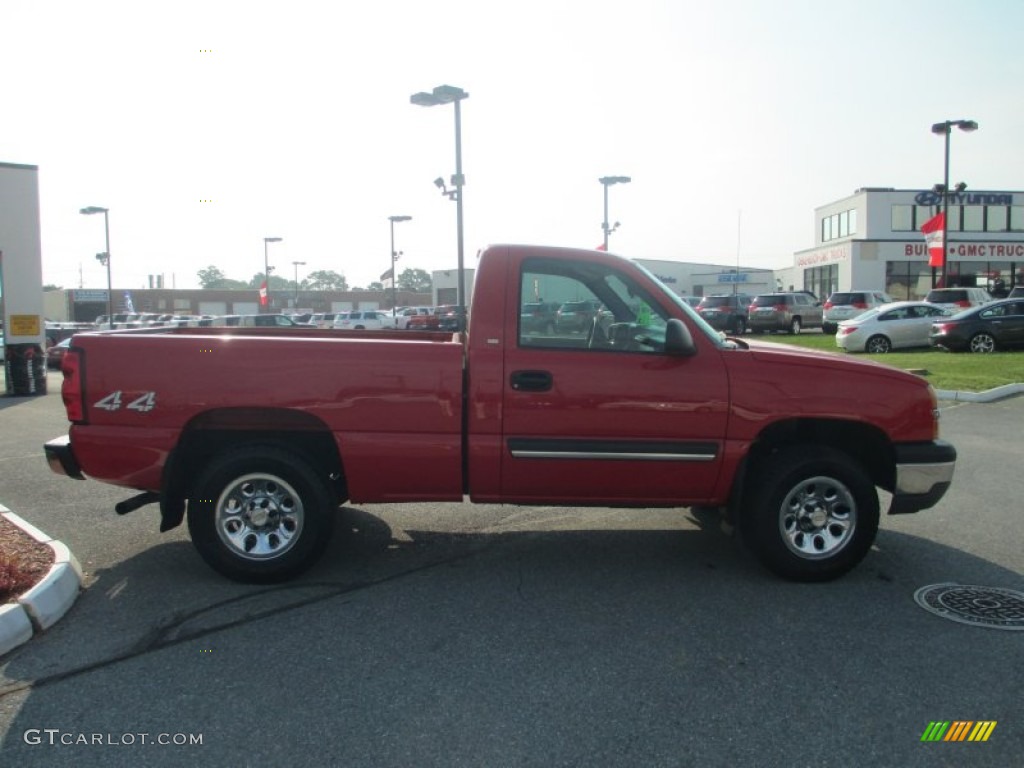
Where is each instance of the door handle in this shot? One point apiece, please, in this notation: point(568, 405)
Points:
point(531, 381)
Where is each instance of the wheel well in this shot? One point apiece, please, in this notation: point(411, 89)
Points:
point(218, 431)
point(864, 443)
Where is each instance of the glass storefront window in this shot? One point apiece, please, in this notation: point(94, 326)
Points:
point(1017, 218)
point(995, 218)
point(974, 218)
point(902, 218)
point(844, 224)
point(853, 221)
point(954, 218)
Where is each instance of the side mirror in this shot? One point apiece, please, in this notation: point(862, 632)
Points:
point(678, 341)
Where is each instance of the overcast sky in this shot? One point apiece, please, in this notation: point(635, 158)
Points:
point(206, 126)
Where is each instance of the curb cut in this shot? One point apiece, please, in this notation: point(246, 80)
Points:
point(989, 396)
point(43, 605)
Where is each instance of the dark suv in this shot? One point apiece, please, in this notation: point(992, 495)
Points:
point(576, 316)
point(789, 311)
point(538, 317)
point(727, 312)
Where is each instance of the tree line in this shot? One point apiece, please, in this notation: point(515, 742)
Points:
point(213, 278)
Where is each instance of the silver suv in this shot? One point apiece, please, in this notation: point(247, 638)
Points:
point(785, 311)
point(846, 305)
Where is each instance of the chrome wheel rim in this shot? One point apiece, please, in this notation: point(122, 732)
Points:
point(878, 345)
point(259, 517)
point(818, 518)
point(982, 343)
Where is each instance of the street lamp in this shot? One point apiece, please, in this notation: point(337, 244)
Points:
point(394, 277)
point(266, 266)
point(297, 265)
point(104, 258)
point(607, 181)
point(448, 94)
point(945, 128)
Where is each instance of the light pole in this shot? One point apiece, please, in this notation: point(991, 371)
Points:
point(447, 94)
point(104, 258)
point(945, 128)
point(266, 266)
point(607, 181)
point(297, 264)
point(394, 277)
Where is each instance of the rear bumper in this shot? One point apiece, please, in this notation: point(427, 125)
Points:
point(923, 474)
point(61, 457)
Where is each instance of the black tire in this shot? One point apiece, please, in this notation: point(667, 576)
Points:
point(260, 514)
point(878, 345)
point(794, 326)
point(829, 328)
point(810, 513)
point(982, 343)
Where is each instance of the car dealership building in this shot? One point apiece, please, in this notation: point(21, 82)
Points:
point(872, 240)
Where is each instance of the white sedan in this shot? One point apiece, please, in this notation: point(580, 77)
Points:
point(898, 325)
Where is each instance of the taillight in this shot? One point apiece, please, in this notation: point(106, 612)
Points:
point(940, 327)
point(829, 305)
point(844, 331)
point(71, 389)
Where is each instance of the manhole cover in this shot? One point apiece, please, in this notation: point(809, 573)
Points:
point(979, 606)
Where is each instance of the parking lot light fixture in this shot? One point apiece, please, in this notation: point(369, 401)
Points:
point(89, 211)
point(266, 267)
point(607, 181)
point(297, 264)
point(945, 128)
point(450, 94)
point(394, 276)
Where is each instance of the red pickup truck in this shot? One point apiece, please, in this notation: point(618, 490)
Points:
point(258, 435)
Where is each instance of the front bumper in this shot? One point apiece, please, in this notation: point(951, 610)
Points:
point(923, 474)
point(61, 457)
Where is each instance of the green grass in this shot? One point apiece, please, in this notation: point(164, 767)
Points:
point(945, 370)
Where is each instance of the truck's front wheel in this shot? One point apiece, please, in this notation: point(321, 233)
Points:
point(811, 513)
point(260, 514)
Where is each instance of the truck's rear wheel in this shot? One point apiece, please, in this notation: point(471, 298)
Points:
point(260, 514)
point(811, 513)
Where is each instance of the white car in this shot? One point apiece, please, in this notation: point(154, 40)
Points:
point(369, 320)
point(898, 325)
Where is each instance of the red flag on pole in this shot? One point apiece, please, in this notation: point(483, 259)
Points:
point(932, 231)
point(263, 293)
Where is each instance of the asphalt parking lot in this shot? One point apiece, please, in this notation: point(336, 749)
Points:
point(454, 635)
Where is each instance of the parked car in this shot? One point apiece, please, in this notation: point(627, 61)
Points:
point(846, 305)
point(726, 312)
point(898, 325)
point(55, 354)
point(365, 320)
point(958, 298)
point(693, 301)
point(576, 316)
point(990, 327)
point(405, 314)
point(538, 317)
point(1016, 292)
point(318, 319)
point(790, 311)
point(451, 320)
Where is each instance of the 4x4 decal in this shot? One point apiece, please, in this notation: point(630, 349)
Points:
point(112, 402)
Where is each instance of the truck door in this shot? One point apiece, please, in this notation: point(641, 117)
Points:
point(601, 414)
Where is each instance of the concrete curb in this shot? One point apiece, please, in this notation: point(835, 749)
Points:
point(43, 605)
point(989, 396)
